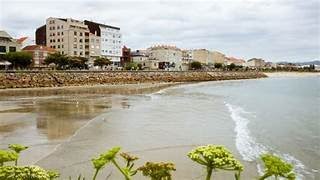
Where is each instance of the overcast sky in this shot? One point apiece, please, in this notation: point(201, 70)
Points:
point(275, 30)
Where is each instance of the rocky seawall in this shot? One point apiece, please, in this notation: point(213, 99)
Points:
point(35, 79)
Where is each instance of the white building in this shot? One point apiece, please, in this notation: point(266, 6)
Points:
point(111, 43)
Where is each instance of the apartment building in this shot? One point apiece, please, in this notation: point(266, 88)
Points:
point(81, 38)
point(169, 57)
point(201, 55)
point(256, 62)
point(110, 40)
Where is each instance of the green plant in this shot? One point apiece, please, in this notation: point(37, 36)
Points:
point(19, 59)
point(157, 171)
point(17, 148)
point(128, 169)
point(26, 173)
point(103, 159)
point(7, 156)
point(218, 65)
point(102, 62)
point(275, 166)
point(214, 158)
point(131, 66)
point(196, 65)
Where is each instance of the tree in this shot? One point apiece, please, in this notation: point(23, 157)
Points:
point(61, 61)
point(131, 66)
point(196, 65)
point(77, 63)
point(231, 66)
point(20, 60)
point(102, 62)
point(275, 166)
point(214, 158)
point(217, 65)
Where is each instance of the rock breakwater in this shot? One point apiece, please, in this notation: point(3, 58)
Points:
point(35, 79)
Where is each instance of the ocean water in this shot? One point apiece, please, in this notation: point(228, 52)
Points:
point(250, 117)
point(280, 115)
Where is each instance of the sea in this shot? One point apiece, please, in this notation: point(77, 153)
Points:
point(279, 115)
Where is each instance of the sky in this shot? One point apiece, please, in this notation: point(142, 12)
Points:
point(275, 30)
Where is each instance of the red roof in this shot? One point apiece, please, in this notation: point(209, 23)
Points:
point(20, 40)
point(38, 47)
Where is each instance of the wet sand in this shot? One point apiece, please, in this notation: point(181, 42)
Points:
point(292, 74)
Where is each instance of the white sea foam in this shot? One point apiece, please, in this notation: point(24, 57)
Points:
point(251, 150)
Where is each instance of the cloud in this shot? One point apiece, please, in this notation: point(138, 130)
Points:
point(275, 30)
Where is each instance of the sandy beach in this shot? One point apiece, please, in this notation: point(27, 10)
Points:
point(292, 74)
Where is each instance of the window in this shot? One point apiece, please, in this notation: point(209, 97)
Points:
point(81, 34)
point(53, 28)
point(58, 40)
point(80, 40)
point(75, 33)
point(97, 40)
point(58, 33)
point(74, 52)
point(53, 34)
point(3, 49)
point(62, 52)
point(58, 46)
point(75, 40)
point(61, 33)
point(62, 46)
point(81, 47)
point(51, 40)
point(54, 47)
point(58, 27)
point(61, 39)
point(75, 46)
point(61, 26)
point(80, 53)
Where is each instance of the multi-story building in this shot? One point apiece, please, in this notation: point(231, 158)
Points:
point(255, 62)
point(8, 44)
point(169, 57)
point(81, 38)
point(39, 54)
point(217, 57)
point(201, 55)
point(126, 56)
point(110, 42)
point(236, 61)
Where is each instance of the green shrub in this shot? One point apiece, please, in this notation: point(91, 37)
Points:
point(275, 166)
point(157, 171)
point(214, 158)
point(196, 65)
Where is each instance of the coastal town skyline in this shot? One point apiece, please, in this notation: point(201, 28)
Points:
point(253, 29)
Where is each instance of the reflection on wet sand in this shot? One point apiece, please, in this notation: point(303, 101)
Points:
point(55, 118)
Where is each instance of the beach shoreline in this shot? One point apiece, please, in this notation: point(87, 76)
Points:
point(291, 74)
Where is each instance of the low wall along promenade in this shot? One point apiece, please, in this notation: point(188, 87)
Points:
point(33, 79)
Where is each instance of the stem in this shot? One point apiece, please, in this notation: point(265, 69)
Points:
point(209, 172)
point(95, 174)
point(120, 169)
point(16, 162)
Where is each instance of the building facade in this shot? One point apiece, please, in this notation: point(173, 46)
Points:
point(81, 38)
point(255, 62)
point(8, 44)
point(201, 55)
point(169, 57)
point(126, 56)
point(109, 39)
point(39, 54)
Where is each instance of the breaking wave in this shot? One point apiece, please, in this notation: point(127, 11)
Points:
point(249, 149)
